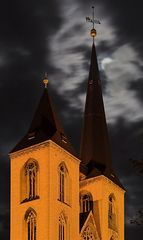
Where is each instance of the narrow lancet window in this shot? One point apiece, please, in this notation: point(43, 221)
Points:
point(63, 183)
point(30, 218)
point(31, 172)
point(29, 180)
point(112, 213)
point(62, 227)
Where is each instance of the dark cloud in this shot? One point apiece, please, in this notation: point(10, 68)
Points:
point(131, 231)
point(127, 142)
point(137, 86)
point(104, 47)
point(127, 19)
point(26, 28)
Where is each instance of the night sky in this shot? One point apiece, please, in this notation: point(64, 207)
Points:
point(53, 36)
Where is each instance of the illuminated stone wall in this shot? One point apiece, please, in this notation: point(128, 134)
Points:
point(48, 207)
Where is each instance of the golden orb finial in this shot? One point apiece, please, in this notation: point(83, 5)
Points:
point(45, 80)
point(93, 32)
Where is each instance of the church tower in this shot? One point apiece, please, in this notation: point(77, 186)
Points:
point(101, 193)
point(44, 173)
point(54, 194)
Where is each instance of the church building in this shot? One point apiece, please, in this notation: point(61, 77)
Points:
point(57, 195)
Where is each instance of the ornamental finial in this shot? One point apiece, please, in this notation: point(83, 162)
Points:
point(45, 80)
point(93, 21)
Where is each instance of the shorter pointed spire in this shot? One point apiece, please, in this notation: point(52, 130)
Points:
point(45, 126)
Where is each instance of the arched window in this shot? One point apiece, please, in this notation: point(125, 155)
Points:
point(112, 213)
point(30, 218)
point(29, 180)
point(86, 202)
point(63, 183)
point(62, 228)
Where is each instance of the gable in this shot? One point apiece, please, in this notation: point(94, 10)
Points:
point(89, 229)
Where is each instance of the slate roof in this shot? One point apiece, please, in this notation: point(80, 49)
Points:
point(45, 125)
point(95, 145)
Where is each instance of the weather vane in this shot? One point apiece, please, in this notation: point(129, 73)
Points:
point(93, 21)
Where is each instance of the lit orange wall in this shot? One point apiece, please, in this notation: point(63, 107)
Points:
point(48, 208)
point(101, 187)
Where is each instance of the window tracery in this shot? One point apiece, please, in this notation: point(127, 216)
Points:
point(63, 183)
point(86, 202)
point(62, 227)
point(29, 180)
point(88, 234)
point(112, 213)
point(31, 173)
point(31, 231)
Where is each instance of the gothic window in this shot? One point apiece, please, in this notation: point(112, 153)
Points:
point(62, 227)
point(30, 218)
point(63, 183)
point(86, 202)
point(29, 180)
point(112, 214)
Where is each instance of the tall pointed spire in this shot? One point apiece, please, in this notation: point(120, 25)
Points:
point(45, 125)
point(95, 147)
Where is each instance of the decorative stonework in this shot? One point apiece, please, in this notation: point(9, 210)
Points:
point(114, 235)
point(90, 180)
point(57, 149)
point(88, 234)
point(107, 181)
point(29, 150)
point(89, 229)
